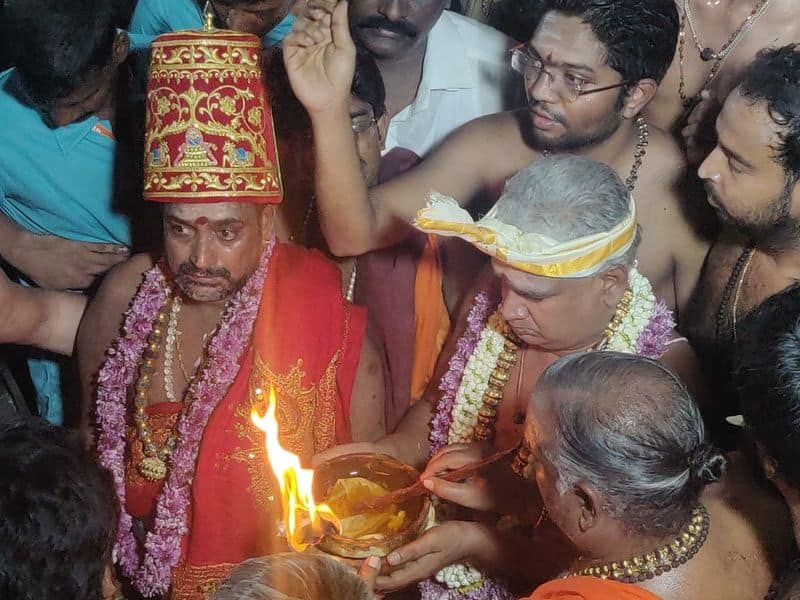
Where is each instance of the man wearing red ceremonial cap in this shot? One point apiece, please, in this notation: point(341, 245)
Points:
point(225, 309)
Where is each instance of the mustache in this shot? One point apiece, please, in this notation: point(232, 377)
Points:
point(186, 269)
point(402, 27)
point(535, 104)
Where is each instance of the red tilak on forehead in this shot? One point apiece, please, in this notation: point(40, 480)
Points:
point(201, 221)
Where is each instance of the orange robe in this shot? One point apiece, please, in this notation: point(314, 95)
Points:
point(590, 588)
point(306, 343)
point(431, 319)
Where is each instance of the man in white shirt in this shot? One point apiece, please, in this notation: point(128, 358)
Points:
point(440, 69)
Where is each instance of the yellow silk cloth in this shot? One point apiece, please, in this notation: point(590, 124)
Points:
point(532, 253)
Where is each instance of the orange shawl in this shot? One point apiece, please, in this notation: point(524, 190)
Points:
point(590, 588)
point(306, 343)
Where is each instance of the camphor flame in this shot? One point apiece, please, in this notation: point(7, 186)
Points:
point(304, 520)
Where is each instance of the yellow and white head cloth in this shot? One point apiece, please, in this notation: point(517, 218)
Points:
point(533, 253)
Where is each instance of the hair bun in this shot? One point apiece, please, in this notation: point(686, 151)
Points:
point(707, 463)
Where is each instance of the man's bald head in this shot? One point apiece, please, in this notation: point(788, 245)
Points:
point(627, 426)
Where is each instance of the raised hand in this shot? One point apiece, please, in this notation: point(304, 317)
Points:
point(320, 58)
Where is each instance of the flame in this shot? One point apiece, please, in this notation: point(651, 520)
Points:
point(300, 512)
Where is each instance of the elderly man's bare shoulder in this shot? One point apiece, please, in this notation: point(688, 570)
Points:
point(749, 540)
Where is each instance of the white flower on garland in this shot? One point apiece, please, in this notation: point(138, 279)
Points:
point(640, 311)
point(459, 577)
point(475, 381)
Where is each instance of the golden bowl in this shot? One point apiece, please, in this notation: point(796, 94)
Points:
point(391, 474)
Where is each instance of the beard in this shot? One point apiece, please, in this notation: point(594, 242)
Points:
point(772, 228)
point(572, 140)
point(222, 288)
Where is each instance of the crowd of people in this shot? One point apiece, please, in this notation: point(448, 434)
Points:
point(564, 231)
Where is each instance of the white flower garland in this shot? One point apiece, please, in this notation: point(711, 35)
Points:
point(474, 383)
point(459, 577)
point(640, 311)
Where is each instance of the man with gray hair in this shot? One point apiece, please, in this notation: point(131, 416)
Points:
point(618, 451)
point(296, 576)
point(563, 239)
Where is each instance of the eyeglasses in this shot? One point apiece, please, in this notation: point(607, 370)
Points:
point(363, 122)
point(566, 86)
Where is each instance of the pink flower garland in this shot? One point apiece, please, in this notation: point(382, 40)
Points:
point(652, 342)
point(488, 590)
point(482, 308)
point(151, 574)
point(484, 305)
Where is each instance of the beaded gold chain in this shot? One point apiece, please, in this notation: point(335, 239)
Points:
point(623, 308)
point(655, 563)
point(153, 466)
point(497, 383)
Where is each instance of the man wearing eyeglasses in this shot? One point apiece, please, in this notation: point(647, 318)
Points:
point(590, 68)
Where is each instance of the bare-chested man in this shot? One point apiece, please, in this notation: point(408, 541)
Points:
point(621, 458)
point(751, 177)
point(728, 33)
point(588, 76)
point(563, 242)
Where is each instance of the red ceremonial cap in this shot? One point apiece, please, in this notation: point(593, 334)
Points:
point(209, 135)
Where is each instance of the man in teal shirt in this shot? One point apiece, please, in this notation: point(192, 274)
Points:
point(268, 19)
point(62, 219)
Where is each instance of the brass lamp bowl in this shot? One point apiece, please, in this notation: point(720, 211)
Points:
point(383, 470)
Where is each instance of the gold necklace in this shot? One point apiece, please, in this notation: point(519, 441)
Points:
point(623, 308)
point(652, 564)
point(732, 288)
point(169, 349)
point(497, 383)
point(153, 465)
point(739, 284)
